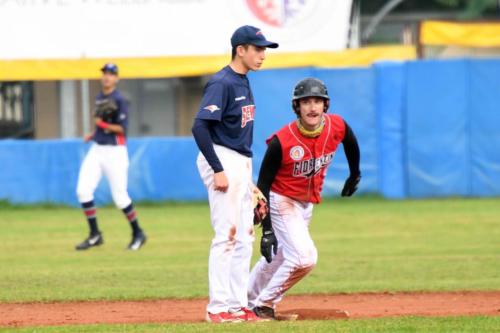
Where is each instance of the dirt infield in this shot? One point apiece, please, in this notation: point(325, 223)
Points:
point(364, 305)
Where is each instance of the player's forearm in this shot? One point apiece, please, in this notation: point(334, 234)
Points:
point(268, 170)
point(201, 134)
point(118, 129)
point(351, 149)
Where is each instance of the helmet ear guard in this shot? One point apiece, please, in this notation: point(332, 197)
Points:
point(295, 107)
point(327, 105)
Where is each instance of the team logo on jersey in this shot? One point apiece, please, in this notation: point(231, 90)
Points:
point(296, 153)
point(247, 114)
point(212, 108)
point(310, 167)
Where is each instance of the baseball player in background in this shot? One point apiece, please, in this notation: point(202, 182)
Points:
point(291, 177)
point(223, 130)
point(108, 155)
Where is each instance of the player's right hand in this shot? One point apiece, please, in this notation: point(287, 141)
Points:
point(220, 182)
point(351, 185)
point(268, 245)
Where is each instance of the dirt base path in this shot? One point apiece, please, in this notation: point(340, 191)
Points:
point(364, 305)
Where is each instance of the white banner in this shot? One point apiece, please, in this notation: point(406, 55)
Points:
point(73, 29)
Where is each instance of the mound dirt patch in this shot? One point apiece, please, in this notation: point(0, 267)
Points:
point(322, 307)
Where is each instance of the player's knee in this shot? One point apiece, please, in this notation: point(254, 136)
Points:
point(84, 195)
point(223, 244)
point(246, 236)
point(121, 199)
point(309, 257)
point(314, 258)
point(232, 238)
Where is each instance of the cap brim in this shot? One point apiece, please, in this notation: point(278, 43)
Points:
point(266, 43)
point(107, 70)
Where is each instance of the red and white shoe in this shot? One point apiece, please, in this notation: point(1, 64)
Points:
point(245, 314)
point(222, 317)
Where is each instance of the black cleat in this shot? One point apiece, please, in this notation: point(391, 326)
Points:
point(138, 240)
point(92, 240)
point(264, 312)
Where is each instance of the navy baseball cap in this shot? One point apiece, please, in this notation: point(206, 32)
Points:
point(251, 35)
point(110, 68)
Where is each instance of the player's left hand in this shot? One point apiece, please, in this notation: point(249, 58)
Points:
point(260, 208)
point(268, 245)
point(351, 185)
point(220, 182)
point(88, 137)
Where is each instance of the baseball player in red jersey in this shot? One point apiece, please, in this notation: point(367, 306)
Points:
point(291, 177)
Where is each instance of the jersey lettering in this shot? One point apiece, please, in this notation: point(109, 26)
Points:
point(309, 168)
point(247, 114)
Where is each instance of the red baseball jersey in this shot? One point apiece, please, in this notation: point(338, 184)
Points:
point(305, 160)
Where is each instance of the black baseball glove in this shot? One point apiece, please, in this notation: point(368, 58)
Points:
point(268, 245)
point(106, 109)
point(351, 185)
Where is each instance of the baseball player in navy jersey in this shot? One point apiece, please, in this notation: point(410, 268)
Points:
point(223, 130)
point(108, 155)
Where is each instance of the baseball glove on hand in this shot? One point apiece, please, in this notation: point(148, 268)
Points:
point(351, 185)
point(260, 208)
point(106, 109)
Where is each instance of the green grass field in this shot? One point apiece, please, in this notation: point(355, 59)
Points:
point(365, 244)
point(404, 325)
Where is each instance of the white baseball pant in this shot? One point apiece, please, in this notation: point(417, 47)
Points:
point(231, 215)
point(296, 257)
point(112, 161)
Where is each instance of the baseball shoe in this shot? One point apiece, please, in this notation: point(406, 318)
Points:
point(222, 317)
point(264, 312)
point(138, 240)
point(92, 240)
point(245, 314)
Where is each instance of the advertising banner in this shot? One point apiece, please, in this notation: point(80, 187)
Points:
point(78, 29)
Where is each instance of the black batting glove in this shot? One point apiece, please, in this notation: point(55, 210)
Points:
point(268, 245)
point(351, 185)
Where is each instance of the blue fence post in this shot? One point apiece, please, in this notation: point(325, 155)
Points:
point(390, 108)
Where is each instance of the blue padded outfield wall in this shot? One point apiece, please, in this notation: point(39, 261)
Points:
point(426, 129)
point(47, 171)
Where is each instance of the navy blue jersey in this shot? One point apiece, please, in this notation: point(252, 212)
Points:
point(120, 117)
point(228, 102)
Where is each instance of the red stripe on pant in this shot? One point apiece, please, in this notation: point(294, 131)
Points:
point(90, 212)
point(131, 216)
